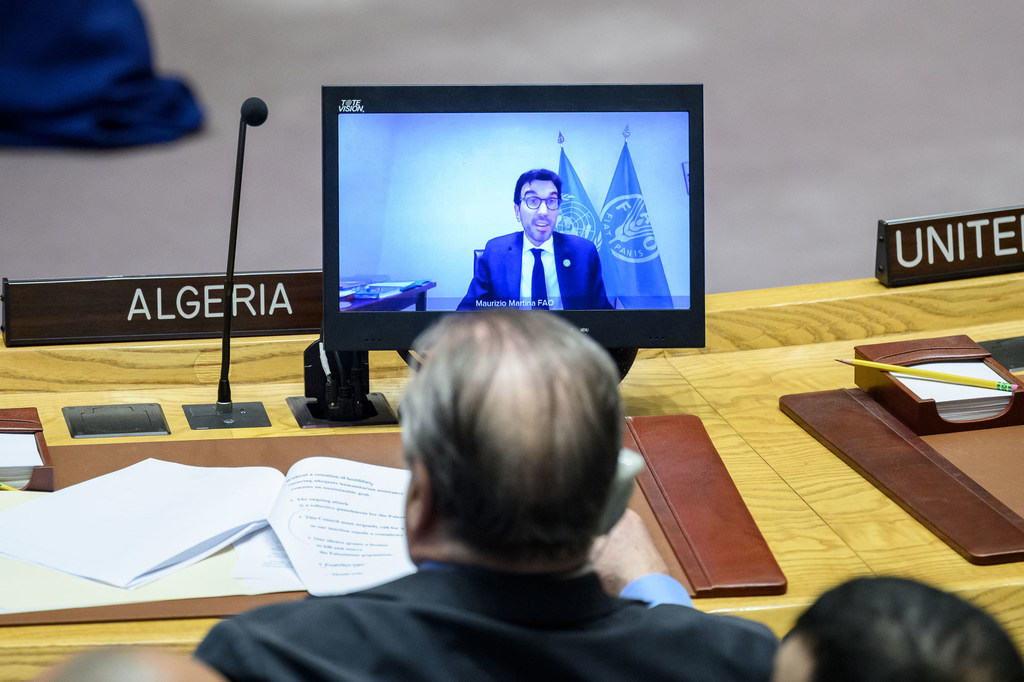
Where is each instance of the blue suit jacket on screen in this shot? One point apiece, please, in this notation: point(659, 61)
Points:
point(499, 269)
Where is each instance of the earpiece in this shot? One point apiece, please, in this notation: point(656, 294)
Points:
point(629, 465)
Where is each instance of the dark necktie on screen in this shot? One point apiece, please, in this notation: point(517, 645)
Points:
point(539, 289)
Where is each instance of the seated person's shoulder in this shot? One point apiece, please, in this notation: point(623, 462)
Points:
point(721, 644)
point(713, 625)
point(501, 242)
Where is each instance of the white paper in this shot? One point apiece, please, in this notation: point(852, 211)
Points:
point(342, 524)
point(941, 391)
point(19, 450)
point(957, 402)
point(26, 587)
point(131, 526)
point(263, 563)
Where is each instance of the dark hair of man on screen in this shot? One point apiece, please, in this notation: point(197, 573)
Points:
point(540, 175)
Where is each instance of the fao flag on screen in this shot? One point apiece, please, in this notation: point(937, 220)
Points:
point(627, 232)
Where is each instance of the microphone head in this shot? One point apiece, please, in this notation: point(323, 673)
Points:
point(254, 111)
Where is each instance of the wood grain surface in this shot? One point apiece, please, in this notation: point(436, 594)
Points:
point(823, 522)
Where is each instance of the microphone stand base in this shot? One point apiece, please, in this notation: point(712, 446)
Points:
point(235, 416)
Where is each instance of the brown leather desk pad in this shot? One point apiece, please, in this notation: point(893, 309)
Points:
point(700, 510)
point(967, 487)
point(709, 527)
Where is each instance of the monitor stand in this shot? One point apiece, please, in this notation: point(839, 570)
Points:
point(622, 357)
point(343, 399)
point(341, 396)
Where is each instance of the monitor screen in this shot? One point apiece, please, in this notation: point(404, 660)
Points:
point(583, 199)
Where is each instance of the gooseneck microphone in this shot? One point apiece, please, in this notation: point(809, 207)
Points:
point(254, 113)
point(225, 414)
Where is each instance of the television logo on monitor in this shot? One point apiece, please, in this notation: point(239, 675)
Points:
point(351, 106)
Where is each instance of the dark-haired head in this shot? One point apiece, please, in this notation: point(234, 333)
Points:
point(541, 174)
point(895, 629)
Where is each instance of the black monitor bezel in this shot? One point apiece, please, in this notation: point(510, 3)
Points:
point(611, 328)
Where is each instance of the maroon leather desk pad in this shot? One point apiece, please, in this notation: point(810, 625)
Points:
point(700, 510)
point(708, 525)
point(965, 487)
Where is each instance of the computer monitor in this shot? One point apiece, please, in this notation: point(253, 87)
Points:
point(420, 221)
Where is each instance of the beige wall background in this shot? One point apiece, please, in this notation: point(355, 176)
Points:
point(821, 118)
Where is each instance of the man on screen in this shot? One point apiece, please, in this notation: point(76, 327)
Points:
point(538, 267)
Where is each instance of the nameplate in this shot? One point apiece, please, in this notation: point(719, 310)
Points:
point(952, 246)
point(37, 312)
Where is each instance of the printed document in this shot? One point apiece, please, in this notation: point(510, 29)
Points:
point(340, 522)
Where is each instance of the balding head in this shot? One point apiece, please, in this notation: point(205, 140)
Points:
point(517, 419)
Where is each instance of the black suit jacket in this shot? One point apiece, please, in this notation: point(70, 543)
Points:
point(460, 623)
point(499, 271)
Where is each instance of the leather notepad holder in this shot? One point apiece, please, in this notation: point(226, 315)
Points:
point(922, 416)
point(26, 420)
point(958, 479)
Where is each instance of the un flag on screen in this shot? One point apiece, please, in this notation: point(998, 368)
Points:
point(628, 235)
point(578, 216)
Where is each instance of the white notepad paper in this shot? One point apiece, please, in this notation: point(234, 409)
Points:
point(956, 402)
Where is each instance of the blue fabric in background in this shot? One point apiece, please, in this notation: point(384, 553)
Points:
point(79, 73)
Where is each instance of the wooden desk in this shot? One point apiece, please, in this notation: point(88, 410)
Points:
point(823, 521)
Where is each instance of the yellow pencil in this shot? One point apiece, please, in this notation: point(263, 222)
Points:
point(937, 376)
point(4, 486)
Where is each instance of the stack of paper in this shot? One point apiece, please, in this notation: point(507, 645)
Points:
point(135, 525)
point(19, 455)
point(956, 402)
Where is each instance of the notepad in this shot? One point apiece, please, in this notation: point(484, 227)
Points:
point(19, 455)
point(341, 522)
point(955, 402)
